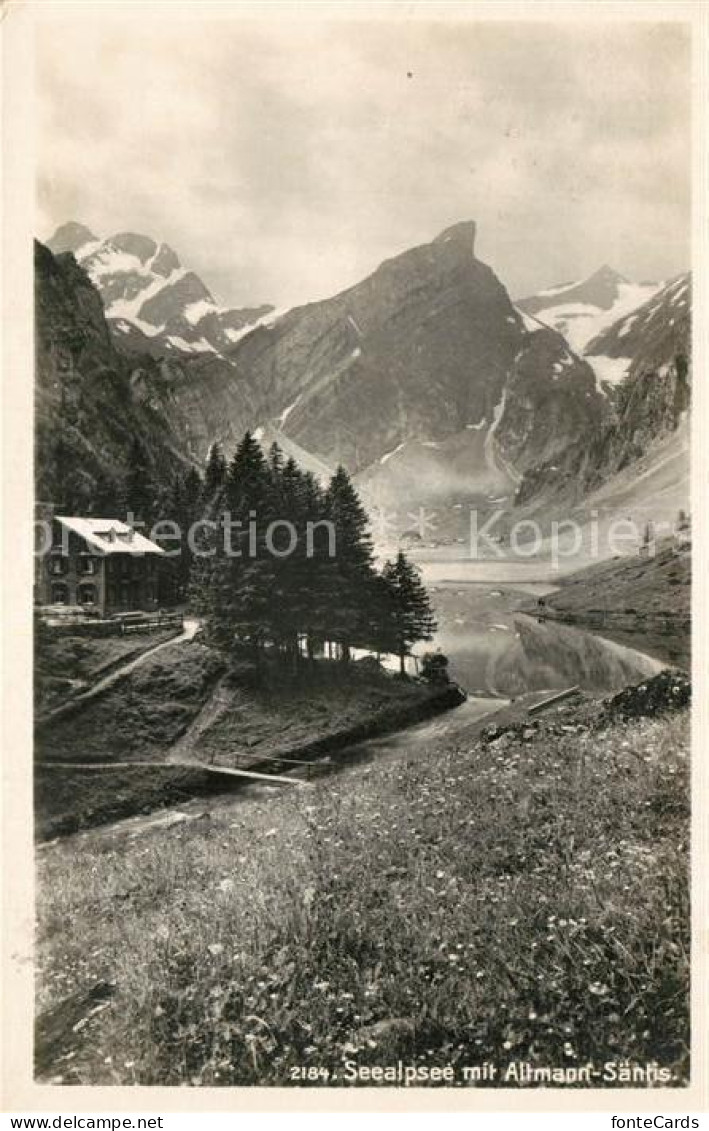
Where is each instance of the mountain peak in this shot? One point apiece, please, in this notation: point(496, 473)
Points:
point(70, 237)
point(463, 232)
point(569, 307)
point(607, 274)
point(152, 304)
point(165, 261)
point(142, 247)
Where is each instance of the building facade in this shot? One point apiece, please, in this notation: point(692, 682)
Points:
point(102, 565)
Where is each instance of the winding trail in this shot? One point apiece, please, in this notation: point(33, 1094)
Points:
point(221, 699)
point(189, 631)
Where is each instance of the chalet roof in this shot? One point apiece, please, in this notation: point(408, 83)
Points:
point(110, 535)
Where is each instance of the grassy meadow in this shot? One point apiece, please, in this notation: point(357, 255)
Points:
point(518, 899)
point(187, 705)
point(68, 663)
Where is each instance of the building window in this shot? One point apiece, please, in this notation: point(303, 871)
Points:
point(87, 594)
point(58, 565)
point(88, 565)
point(60, 593)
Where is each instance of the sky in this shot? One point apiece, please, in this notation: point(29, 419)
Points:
point(285, 159)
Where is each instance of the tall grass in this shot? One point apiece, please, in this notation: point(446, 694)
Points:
point(518, 901)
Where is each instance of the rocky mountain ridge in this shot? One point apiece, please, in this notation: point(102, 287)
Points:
point(92, 403)
point(428, 352)
point(583, 310)
point(153, 304)
point(424, 379)
point(651, 336)
point(650, 351)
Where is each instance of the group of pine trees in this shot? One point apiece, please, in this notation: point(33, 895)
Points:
point(295, 570)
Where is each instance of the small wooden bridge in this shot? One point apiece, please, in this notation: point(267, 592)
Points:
point(225, 771)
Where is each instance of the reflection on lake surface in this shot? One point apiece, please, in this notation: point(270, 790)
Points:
point(494, 649)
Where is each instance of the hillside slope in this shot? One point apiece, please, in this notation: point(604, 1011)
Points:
point(92, 403)
point(660, 584)
point(653, 349)
point(643, 600)
point(503, 898)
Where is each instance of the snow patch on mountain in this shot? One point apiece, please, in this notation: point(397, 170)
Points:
point(584, 311)
point(87, 249)
point(200, 346)
point(237, 335)
point(264, 322)
point(580, 322)
point(530, 323)
point(131, 271)
point(387, 455)
point(497, 414)
point(107, 260)
point(608, 370)
point(196, 311)
point(559, 288)
point(287, 411)
point(272, 317)
point(613, 351)
point(129, 308)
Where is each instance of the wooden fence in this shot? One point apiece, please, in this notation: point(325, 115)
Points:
point(88, 626)
point(151, 623)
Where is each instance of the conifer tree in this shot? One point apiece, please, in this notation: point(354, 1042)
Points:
point(106, 499)
point(214, 472)
point(248, 482)
point(319, 581)
point(275, 461)
point(184, 508)
point(245, 567)
point(353, 566)
point(139, 489)
point(281, 539)
point(411, 616)
point(382, 613)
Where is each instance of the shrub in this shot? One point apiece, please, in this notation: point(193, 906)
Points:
point(434, 667)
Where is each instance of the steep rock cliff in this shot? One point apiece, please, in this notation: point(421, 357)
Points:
point(92, 403)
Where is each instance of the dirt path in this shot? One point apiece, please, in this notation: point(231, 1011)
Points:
point(221, 699)
point(189, 631)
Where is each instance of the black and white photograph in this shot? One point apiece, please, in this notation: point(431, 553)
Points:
point(362, 568)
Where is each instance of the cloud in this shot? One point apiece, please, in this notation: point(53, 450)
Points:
point(285, 160)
